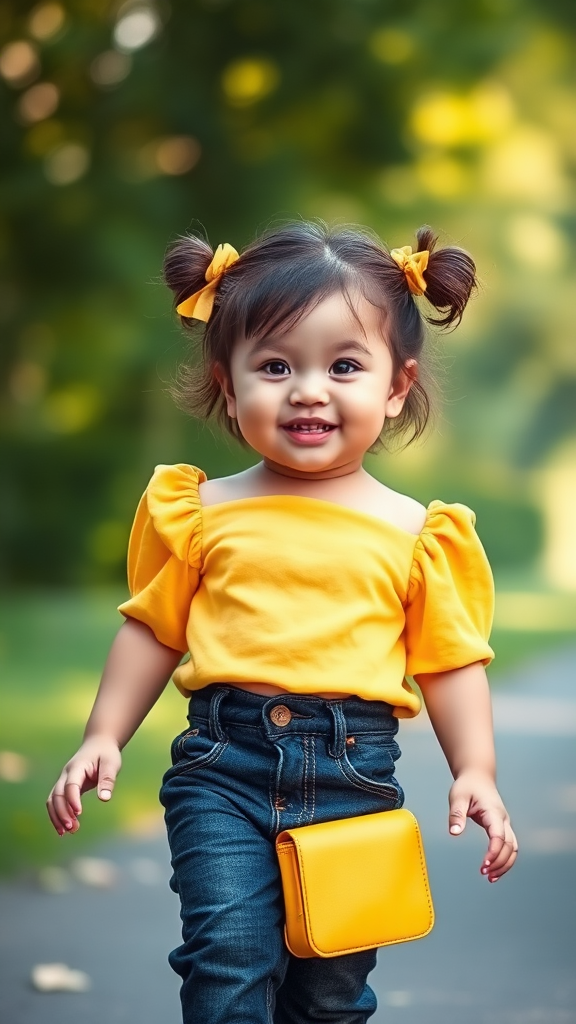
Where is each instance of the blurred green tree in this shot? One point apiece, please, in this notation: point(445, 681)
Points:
point(127, 123)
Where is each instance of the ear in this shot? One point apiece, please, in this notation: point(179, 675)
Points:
point(225, 381)
point(400, 387)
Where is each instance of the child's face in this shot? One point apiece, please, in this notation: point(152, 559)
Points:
point(313, 400)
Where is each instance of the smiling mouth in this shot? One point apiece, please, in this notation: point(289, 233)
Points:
point(310, 428)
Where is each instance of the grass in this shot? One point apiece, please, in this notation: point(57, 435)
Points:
point(52, 648)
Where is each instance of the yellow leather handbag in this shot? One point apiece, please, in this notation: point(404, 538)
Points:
point(354, 884)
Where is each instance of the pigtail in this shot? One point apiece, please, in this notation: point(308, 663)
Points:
point(185, 266)
point(194, 388)
point(450, 279)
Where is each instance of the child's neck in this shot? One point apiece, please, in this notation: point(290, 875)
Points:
point(356, 489)
point(336, 486)
point(274, 474)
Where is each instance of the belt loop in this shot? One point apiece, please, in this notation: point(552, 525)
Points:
point(338, 744)
point(217, 733)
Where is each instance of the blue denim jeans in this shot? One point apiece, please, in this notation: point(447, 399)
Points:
point(248, 767)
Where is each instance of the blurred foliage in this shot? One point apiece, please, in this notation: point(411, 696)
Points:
point(48, 693)
point(127, 123)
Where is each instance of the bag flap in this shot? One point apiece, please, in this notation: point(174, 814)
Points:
point(363, 880)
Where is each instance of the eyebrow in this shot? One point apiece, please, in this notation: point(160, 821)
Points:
point(352, 345)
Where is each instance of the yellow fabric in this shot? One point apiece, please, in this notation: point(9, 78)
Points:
point(199, 305)
point(413, 265)
point(354, 884)
point(305, 594)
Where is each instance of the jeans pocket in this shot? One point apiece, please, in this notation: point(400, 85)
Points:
point(368, 764)
point(194, 748)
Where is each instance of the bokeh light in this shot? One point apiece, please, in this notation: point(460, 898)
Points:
point(247, 81)
point(172, 155)
point(177, 154)
point(19, 63)
point(536, 242)
point(13, 767)
point(136, 28)
point(72, 409)
point(44, 137)
point(392, 45)
point(46, 20)
point(525, 166)
point(28, 382)
point(67, 163)
point(110, 68)
point(443, 118)
point(39, 102)
point(442, 176)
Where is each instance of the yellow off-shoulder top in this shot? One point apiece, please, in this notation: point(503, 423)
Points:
point(306, 594)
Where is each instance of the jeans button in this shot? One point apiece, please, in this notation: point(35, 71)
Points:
point(281, 715)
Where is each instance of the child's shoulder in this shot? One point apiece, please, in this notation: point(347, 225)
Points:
point(399, 509)
point(366, 495)
point(219, 490)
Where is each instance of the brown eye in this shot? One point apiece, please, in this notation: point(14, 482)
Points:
point(277, 368)
point(342, 367)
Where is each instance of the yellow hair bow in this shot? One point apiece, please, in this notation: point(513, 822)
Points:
point(413, 264)
point(199, 305)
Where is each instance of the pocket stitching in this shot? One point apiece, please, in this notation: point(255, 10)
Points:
point(361, 782)
point(199, 762)
point(179, 744)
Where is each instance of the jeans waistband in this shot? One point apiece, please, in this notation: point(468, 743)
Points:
point(289, 714)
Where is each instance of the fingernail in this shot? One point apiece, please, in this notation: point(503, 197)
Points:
point(494, 879)
point(68, 825)
point(105, 794)
point(487, 863)
point(455, 829)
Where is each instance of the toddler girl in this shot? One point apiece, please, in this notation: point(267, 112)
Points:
point(305, 591)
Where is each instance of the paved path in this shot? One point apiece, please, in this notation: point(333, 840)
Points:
point(500, 954)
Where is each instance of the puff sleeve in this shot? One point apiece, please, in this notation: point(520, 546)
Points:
point(165, 552)
point(450, 601)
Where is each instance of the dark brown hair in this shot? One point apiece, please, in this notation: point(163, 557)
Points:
point(281, 276)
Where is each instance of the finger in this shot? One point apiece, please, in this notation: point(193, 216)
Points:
point(72, 796)
point(493, 876)
point(495, 847)
point(495, 822)
point(106, 779)
point(54, 817)
point(457, 816)
point(507, 857)
point(79, 779)
point(64, 812)
point(502, 843)
point(493, 866)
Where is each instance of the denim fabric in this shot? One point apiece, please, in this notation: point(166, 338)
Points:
point(237, 779)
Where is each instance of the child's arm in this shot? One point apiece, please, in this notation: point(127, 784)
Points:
point(136, 672)
point(458, 703)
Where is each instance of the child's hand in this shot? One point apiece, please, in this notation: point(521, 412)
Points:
point(96, 763)
point(474, 795)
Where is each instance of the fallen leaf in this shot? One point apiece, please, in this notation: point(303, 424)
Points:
point(95, 871)
point(59, 978)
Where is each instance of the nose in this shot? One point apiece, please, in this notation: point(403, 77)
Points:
point(309, 389)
